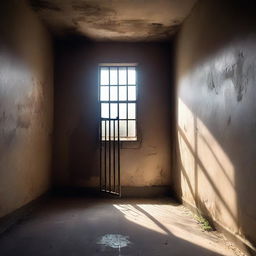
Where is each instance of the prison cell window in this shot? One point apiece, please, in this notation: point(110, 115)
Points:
point(118, 99)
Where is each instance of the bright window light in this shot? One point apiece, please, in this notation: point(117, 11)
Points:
point(118, 99)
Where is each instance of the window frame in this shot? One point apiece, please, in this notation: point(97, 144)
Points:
point(125, 139)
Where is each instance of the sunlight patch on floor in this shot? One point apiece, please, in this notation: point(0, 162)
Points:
point(173, 221)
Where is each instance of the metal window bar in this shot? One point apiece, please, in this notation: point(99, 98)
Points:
point(110, 142)
point(118, 136)
point(127, 114)
point(109, 132)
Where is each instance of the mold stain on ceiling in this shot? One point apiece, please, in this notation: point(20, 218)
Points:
point(114, 20)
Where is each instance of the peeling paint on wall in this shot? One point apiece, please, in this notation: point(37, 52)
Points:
point(235, 68)
point(44, 5)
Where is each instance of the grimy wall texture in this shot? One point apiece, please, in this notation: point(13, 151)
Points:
point(216, 120)
point(76, 143)
point(26, 87)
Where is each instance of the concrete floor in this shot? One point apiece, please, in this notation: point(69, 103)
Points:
point(88, 226)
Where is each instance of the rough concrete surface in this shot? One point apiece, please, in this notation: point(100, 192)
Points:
point(216, 95)
point(26, 106)
point(114, 20)
point(89, 226)
point(76, 125)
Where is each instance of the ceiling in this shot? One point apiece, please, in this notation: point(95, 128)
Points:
point(114, 20)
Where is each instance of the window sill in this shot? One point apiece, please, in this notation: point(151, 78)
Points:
point(131, 144)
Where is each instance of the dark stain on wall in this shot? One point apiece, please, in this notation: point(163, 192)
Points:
point(229, 120)
point(216, 81)
point(44, 5)
point(238, 75)
point(89, 9)
point(236, 71)
point(153, 30)
point(24, 121)
point(7, 132)
point(211, 83)
point(99, 20)
point(7, 139)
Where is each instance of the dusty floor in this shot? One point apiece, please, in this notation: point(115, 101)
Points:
point(88, 226)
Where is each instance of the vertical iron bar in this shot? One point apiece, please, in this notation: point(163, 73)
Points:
point(117, 77)
point(105, 154)
point(118, 158)
point(109, 155)
point(118, 138)
point(100, 131)
point(114, 154)
point(136, 100)
point(109, 134)
point(127, 102)
point(100, 154)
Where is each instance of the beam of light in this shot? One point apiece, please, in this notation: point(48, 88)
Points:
point(207, 168)
point(171, 221)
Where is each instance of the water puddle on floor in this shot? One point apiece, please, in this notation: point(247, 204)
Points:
point(115, 241)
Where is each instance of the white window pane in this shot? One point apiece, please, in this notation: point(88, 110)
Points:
point(104, 93)
point(104, 76)
point(131, 92)
point(122, 93)
point(131, 75)
point(122, 76)
point(131, 111)
point(104, 110)
point(123, 128)
point(113, 93)
point(113, 76)
point(114, 132)
point(122, 111)
point(131, 128)
point(113, 110)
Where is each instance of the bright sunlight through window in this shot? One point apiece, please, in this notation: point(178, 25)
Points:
point(118, 100)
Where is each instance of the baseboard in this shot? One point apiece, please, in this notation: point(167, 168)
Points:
point(127, 191)
point(242, 244)
point(21, 213)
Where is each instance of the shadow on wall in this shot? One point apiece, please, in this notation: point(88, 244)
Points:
point(216, 123)
point(76, 138)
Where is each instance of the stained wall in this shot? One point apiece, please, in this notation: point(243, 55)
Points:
point(215, 114)
point(26, 106)
point(145, 163)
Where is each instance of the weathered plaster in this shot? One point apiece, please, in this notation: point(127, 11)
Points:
point(216, 121)
point(26, 77)
point(114, 20)
point(76, 147)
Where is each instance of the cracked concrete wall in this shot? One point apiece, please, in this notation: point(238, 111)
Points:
point(26, 87)
point(216, 121)
point(76, 146)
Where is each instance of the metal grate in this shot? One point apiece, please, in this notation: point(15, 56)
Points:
point(118, 98)
point(118, 122)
